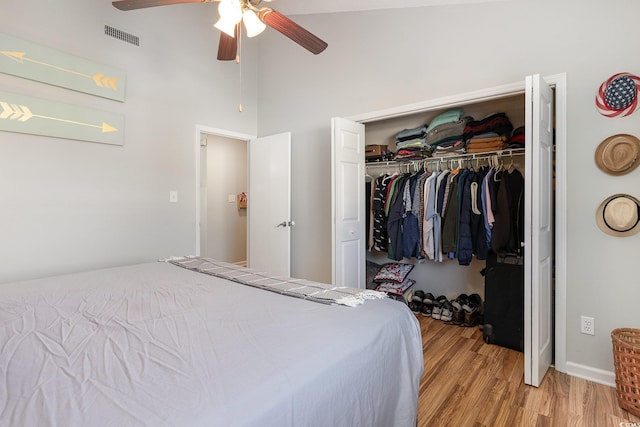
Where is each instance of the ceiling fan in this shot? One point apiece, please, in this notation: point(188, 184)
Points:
point(232, 13)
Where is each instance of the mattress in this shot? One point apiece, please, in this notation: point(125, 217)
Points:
point(158, 345)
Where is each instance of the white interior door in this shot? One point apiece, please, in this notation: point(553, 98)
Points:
point(539, 229)
point(348, 204)
point(269, 204)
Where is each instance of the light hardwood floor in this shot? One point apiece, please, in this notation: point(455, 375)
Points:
point(467, 382)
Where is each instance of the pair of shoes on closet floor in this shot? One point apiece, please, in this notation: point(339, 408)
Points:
point(458, 312)
point(447, 312)
point(416, 301)
point(419, 302)
point(442, 309)
point(427, 304)
point(472, 310)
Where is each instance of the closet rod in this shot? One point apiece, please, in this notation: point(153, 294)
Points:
point(471, 156)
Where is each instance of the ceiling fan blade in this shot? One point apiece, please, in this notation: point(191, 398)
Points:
point(141, 4)
point(228, 46)
point(295, 32)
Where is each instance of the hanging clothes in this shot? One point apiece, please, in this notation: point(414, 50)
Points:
point(508, 230)
point(437, 228)
point(419, 194)
point(464, 251)
point(450, 216)
point(477, 221)
point(430, 220)
point(369, 187)
point(458, 214)
point(379, 225)
point(410, 224)
point(394, 221)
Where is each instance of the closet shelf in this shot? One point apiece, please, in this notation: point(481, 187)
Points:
point(472, 156)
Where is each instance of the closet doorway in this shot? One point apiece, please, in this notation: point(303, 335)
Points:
point(260, 235)
point(540, 295)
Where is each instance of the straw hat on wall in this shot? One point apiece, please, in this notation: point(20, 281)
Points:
point(619, 215)
point(618, 154)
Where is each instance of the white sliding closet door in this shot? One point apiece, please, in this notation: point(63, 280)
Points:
point(539, 237)
point(348, 207)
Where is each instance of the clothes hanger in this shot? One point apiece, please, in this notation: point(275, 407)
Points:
point(497, 174)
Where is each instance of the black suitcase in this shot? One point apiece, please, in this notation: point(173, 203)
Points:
point(504, 301)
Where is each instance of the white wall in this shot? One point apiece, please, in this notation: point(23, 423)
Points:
point(381, 59)
point(70, 205)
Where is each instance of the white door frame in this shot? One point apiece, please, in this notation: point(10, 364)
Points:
point(200, 129)
point(559, 82)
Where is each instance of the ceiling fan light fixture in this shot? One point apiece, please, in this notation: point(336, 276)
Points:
point(252, 23)
point(226, 26)
point(230, 14)
point(230, 10)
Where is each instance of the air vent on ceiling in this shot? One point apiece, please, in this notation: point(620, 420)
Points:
point(121, 35)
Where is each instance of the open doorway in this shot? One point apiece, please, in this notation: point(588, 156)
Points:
point(267, 163)
point(222, 180)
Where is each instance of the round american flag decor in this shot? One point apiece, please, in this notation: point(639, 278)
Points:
point(618, 96)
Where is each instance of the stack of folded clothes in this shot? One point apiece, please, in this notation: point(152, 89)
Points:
point(410, 144)
point(454, 148)
point(445, 133)
point(484, 142)
point(517, 138)
point(488, 134)
point(497, 123)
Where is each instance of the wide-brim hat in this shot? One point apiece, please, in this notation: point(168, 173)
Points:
point(619, 154)
point(619, 215)
point(618, 95)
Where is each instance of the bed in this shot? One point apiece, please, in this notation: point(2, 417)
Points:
point(160, 344)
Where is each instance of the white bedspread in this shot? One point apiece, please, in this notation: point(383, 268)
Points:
point(158, 345)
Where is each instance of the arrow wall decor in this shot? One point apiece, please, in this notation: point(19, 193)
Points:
point(25, 114)
point(36, 62)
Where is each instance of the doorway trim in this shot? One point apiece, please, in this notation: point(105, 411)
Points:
point(201, 129)
point(559, 83)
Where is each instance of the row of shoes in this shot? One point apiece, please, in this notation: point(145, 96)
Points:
point(464, 310)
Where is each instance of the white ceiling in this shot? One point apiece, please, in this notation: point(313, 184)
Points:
point(306, 7)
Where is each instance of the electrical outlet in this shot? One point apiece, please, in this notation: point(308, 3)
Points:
point(587, 325)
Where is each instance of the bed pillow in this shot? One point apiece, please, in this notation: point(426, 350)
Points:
point(393, 272)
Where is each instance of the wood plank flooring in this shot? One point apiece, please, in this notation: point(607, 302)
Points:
point(467, 382)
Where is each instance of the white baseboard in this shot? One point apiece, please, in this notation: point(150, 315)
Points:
point(592, 374)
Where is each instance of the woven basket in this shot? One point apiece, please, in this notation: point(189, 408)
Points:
point(626, 359)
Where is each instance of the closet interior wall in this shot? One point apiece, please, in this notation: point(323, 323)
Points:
point(448, 277)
